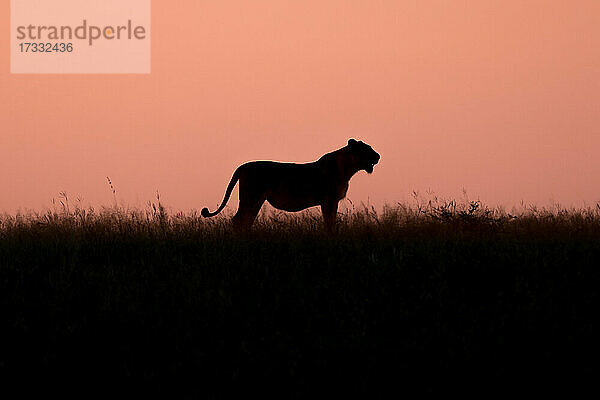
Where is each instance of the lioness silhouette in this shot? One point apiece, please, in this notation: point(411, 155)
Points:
point(295, 187)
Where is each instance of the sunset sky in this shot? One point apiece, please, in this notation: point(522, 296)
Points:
point(501, 98)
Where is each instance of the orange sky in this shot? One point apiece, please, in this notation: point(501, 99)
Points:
point(501, 98)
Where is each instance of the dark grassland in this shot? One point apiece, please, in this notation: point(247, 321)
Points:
point(436, 297)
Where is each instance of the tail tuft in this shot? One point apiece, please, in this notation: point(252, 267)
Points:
point(236, 177)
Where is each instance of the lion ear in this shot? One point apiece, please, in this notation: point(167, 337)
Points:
point(351, 142)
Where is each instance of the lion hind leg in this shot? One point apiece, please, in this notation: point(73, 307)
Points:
point(249, 206)
point(246, 214)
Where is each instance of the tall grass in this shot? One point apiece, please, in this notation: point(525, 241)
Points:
point(432, 212)
point(406, 298)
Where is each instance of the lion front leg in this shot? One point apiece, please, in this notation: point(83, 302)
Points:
point(329, 210)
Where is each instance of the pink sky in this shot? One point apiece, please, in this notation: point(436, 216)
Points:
point(501, 98)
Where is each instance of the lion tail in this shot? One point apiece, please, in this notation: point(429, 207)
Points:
point(236, 176)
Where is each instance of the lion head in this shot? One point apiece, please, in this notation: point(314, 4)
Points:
point(363, 155)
